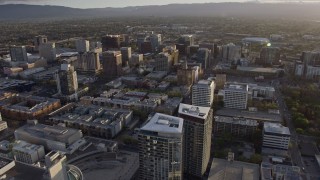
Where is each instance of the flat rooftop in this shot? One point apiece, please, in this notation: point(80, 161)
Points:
point(257, 115)
point(221, 169)
point(258, 69)
point(235, 120)
point(276, 128)
point(194, 111)
point(163, 123)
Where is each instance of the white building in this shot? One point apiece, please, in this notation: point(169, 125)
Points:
point(276, 136)
point(48, 51)
point(160, 148)
point(82, 45)
point(27, 153)
point(236, 96)
point(203, 93)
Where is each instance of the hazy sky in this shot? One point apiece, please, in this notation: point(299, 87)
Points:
point(109, 3)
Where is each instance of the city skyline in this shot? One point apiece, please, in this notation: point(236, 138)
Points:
point(127, 3)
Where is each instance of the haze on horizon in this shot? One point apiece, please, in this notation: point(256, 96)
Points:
point(125, 3)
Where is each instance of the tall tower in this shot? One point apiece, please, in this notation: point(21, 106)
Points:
point(126, 55)
point(38, 40)
point(203, 93)
point(82, 45)
point(67, 82)
point(197, 139)
point(48, 51)
point(160, 148)
point(112, 63)
point(18, 54)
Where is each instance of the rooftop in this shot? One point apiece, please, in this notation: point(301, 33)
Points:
point(163, 123)
point(235, 120)
point(26, 147)
point(236, 86)
point(221, 169)
point(275, 128)
point(258, 69)
point(194, 111)
point(259, 116)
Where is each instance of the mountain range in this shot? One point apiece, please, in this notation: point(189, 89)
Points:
point(257, 10)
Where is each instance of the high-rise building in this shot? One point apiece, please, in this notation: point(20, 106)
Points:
point(231, 52)
point(163, 62)
point(309, 68)
point(136, 59)
point(186, 39)
point(203, 57)
point(156, 41)
point(141, 38)
point(126, 55)
point(18, 54)
point(112, 63)
point(38, 40)
point(197, 139)
point(220, 80)
point(27, 153)
point(67, 82)
point(203, 93)
point(160, 148)
point(82, 45)
point(186, 75)
point(88, 61)
point(48, 51)
point(110, 42)
point(269, 56)
point(236, 95)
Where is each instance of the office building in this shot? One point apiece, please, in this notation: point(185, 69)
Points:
point(235, 95)
point(186, 75)
point(203, 57)
point(141, 38)
point(197, 139)
point(88, 62)
point(160, 148)
point(18, 54)
point(276, 136)
point(237, 127)
point(309, 66)
point(186, 39)
point(48, 51)
point(67, 81)
point(112, 63)
point(51, 137)
point(209, 46)
point(38, 40)
point(163, 62)
point(203, 93)
point(231, 52)
point(156, 41)
point(269, 56)
point(136, 59)
point(110, 42)
point(126, 55)
point(27, 153)
point(82, 45)
point(220, 80)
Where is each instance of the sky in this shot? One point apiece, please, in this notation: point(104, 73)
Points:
point(108, 3)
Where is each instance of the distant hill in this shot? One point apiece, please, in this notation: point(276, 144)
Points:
point(257, 10)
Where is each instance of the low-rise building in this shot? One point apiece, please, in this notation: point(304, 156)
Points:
point(51, 137)
point(279, 171)
point(24, 107)
point(27, 153)
point(237, 127)
point(276, 136)
point(94, 120)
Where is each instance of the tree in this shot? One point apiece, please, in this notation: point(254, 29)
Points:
point(256, 158)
